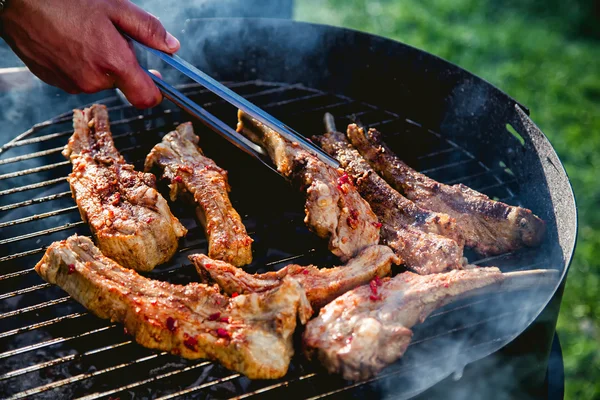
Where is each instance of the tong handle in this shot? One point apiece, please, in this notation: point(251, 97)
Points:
point(238, 101)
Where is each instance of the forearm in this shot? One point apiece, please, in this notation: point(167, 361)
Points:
point(78, 46)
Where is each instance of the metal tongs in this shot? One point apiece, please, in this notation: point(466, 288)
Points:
point(232, 98)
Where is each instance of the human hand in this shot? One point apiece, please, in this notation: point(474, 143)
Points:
point(77, 45)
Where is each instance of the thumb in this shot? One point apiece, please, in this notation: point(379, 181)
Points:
point(143, 27)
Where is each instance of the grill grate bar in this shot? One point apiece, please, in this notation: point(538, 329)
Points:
point(275, 386)
point(497, 185)
point(322, 108)
point(40, 139)
point(41, 324)
point(33, 186)
point(145, 381)
point(378, 123)
point(491, 258)
point(38, 216)
point(41, 233)
point(249, 96)
point(34, 170)
point(437, 153)
point(200, 387)
point(80, 377)
point(23, 291)
point(25, 134)
point(445, 166)
point(30, 156)
point(22, 254)
point(294, 100)
point(52, 342)
point(475, 175)
point(287, 259)
point(35, 307)
point(61, 360)
point(462, 328)
point(35, 201)
point(16, 274)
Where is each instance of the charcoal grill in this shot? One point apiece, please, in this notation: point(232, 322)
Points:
point(441, 119)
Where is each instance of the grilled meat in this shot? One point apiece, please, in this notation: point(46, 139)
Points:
point(131, 221)
point(251, 334)
point(369, 327)
point(333, 208)
point(190, 172)
point(321, 285)
point(488, 226)
point(428, 242)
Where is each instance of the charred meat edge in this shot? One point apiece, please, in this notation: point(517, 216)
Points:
point(333, 207)
point(130, 220)
point(322, 285)
point(428, 242)
point(198, 178)
point(251, 334)
point(489, 227)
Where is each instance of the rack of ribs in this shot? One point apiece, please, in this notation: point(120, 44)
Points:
point(130, 220)
point(193, 175)
point(428, 242)
point(321, 285)
point(251, 334)
point(489, 227)
point(369, 327)
point(334, 209)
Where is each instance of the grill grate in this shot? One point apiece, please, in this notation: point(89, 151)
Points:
point(51, 346)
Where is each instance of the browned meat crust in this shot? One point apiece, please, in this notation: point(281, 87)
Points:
point(130, 220)
point(427, 242)
point(488, 226)
point(251, 334)
point(321, 285)
point(369, 327)
point(334, 209)
point(190, 172)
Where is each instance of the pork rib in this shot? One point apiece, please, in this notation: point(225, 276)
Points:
point(190, 172)
point(488, 226)
point(369, 327)
point(321, 285)
point(333, 208)
point(428, 242)
point(251, 334)
point(130, 220)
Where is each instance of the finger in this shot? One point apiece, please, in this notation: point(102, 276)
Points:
point(143, 27)
point(138, 87)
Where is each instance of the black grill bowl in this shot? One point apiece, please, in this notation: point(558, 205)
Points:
point(439, 118)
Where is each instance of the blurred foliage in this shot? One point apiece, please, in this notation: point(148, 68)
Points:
point(544, 54)
point(574, 18)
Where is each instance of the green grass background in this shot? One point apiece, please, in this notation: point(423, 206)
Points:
point(546, 54)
